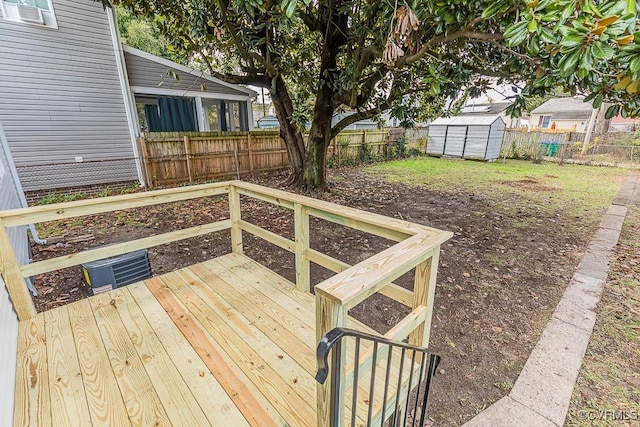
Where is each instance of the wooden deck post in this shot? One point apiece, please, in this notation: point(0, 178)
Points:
point(235, 216)
point(303, 271)
point(187, 155)
point(10, 270)
point(424, 290)
point(329, 315)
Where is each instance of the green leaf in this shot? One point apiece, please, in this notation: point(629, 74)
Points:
point(602, 50)
point(491, 10)
point(533, 26)
point(568, 64)
point(516, 33)
point(612, 111)
point(291, 8)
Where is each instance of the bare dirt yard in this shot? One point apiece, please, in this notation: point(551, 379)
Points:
point(520, 230)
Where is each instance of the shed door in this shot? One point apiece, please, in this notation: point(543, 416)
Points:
point(456, 136)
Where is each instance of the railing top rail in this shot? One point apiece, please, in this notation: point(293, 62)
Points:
point(38, 214)
point(367, 277)
point(384, 222)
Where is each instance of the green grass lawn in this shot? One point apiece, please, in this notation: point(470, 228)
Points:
point(577, 188)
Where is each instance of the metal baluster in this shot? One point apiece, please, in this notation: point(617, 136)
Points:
point(397, 405)
point(433, 364)
point(354, 401)
point(373, 381)
point(386, 384)
point(335, 383)
point(406, 404)
point(415, 408)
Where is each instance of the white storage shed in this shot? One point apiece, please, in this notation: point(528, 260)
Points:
point(469, 137)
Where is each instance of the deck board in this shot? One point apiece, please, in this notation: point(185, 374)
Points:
point(106, 406)
point(225, 343)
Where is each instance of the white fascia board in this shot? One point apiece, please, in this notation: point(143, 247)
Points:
point(142, 90)
point(180, 67)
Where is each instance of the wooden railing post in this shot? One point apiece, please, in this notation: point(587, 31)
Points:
point(235, 216)
point(187, 155)
point(424, 290)
point(303, 271)
point(16, 286)
point(329, 315)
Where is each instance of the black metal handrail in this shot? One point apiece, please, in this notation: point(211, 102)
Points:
point(332, 342)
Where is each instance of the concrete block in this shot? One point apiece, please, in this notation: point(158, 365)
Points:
point(576, 308)
point(546, 383)
point(617, 210)
point(613, 222)
point(605, 238)
point(594, 264)
point(506, 412)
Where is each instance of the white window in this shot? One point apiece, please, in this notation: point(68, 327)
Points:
point(545, 121)
point(33, 12)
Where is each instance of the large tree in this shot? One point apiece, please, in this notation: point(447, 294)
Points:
point(371, 56)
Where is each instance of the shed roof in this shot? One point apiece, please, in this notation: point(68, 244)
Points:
point(466, 120)
point(555, 105)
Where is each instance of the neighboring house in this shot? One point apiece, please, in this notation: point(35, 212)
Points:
point(70, 95)
point(571, 114)
point(493, 109)
point(622, 124)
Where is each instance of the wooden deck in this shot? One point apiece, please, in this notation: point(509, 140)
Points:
point(225, 342)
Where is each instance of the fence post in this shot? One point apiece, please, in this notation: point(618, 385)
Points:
point(187, 155)
point(303, 272)
point(142, 143)
point(250, 152)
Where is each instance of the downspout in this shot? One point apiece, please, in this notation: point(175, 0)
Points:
point(129, 102)
point(18, 185)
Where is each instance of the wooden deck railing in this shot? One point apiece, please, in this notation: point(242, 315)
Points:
point(417, 248)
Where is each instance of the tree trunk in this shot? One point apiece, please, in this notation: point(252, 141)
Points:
point(314, 176)
point(293, 139)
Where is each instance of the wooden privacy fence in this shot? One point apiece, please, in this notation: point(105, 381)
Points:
point(179, 157)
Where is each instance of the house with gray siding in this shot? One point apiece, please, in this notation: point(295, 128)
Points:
point(73, 99)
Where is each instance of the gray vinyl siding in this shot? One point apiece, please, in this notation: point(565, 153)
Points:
point(8, 318)
point(145, 73)
point(495, 140)
point(61, 98)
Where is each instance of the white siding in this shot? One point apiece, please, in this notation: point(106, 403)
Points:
point(8, 318)
point(61, 98)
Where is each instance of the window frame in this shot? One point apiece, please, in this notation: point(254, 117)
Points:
point(548, 121)
point(49, 16)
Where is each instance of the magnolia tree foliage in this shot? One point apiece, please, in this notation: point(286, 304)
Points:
point(412, 58)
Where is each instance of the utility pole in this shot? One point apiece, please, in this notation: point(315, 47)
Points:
point(590, 128)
